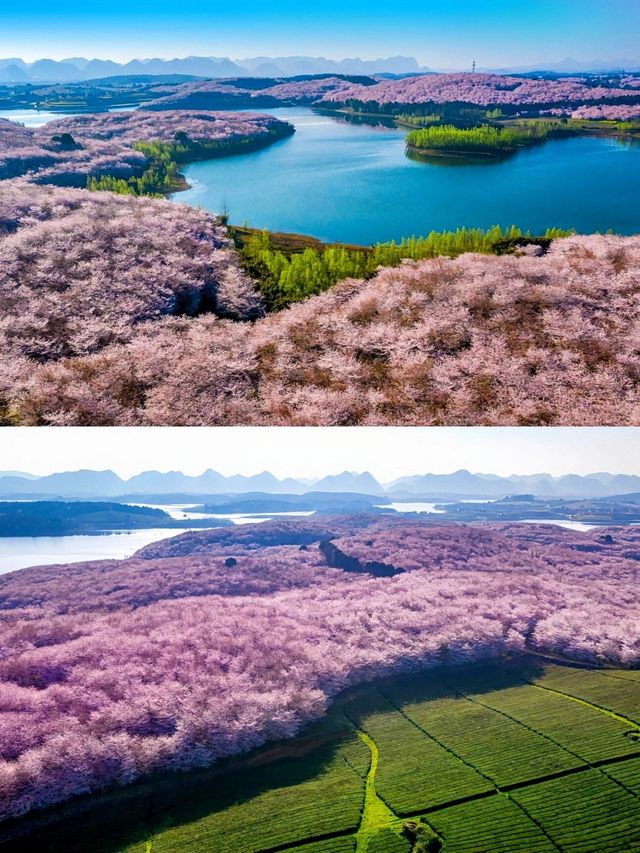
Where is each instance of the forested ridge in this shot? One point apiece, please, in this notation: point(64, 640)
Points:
point(287, 276)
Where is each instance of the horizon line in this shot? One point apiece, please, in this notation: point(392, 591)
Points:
point(300, 477)
point(542, 65)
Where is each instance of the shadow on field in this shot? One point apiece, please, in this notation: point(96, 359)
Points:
point(112, 821)
point(122, 817)
point(443, 682)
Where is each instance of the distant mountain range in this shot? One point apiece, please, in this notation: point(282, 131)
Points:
point(572, 66)
point(14, 70)
point(77, 69)
point(460, 484)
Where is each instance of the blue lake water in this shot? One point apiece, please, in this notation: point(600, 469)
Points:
point(36, 118)
point(32, 118)
point(353, 183)
point(20, 552)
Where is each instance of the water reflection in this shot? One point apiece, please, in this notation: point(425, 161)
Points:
point(458, 159)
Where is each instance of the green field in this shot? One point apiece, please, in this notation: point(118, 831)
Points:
point(515, 756)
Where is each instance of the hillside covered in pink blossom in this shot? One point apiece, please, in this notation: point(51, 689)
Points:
point(518, 339)
point(102, 143)
point(615, 96)
point(180, 655)
point(574, 94)
point(231, 93)
point(81, 270)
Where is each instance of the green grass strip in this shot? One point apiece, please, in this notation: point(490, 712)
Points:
point(376, 814)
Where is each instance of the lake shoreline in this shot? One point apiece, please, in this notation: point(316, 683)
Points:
point(377, 193)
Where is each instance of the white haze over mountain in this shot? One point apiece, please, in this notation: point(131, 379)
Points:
point(76, 69)
point(462, 484)
point(14, 70)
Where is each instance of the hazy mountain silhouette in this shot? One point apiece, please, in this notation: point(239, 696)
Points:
point(350, 481)
point(542, 485)
point(459, 484)
point(79, 68)
point(572, 66)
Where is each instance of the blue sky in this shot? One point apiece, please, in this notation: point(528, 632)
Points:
point(440, 33)
point(388, 452)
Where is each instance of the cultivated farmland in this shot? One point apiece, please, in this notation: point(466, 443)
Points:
point(512, 756)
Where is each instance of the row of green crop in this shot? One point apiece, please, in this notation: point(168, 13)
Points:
point(502, 749)
point(331, 845)
point(610, 690)
point(286, 802)
point(577, 728)
point(494, 824)
point(414, 771)
point(388, 841)
point(286, 278)
point(627, 773)
point(584, 813)
point(276, 805)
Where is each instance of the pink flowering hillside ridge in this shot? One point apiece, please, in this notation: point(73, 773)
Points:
point(103, 142)
point(486, 90)
point(609, 112)
point(180, 656)
point(81, 270)
point(481, 90)
point(481, 339)
point(139, 126)
point(199, 93)
point(32, 152)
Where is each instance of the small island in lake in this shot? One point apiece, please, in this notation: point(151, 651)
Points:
point(484, 141)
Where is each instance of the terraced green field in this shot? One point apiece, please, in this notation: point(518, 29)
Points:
point(415, 771)
point(494, 824)
point(512, 757)
point(470, 728)
point(585, 813)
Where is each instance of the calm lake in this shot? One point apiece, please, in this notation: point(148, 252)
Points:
point(32, 118)
point(353, 183)
point(20, 552)
point(36, 118)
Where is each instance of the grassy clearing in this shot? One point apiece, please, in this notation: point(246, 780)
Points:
point(375, 812)
point(463, 751)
